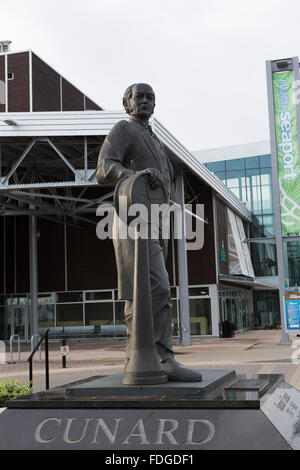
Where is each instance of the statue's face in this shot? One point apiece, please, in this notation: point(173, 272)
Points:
point(142, 102)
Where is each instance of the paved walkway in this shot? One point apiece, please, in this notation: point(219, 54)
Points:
point(248, 352)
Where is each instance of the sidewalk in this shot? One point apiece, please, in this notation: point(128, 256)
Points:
point(248, 352)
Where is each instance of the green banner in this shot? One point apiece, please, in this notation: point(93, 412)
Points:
point(287, 151)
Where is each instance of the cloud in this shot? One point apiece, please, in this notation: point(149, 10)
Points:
point(206, 60)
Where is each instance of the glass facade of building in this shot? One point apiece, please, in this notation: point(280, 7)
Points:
point(266, 309)
point(292, 265)
point(250, 179)
point(84, 308)
point(234, 307)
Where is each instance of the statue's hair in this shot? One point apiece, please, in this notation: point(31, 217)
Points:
point(128, 94)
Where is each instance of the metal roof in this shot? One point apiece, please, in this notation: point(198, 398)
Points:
point(89, 123)
point(232, 152)
point(249, 282)
point(30, 52)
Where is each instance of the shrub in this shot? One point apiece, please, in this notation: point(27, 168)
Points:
point(11, 389)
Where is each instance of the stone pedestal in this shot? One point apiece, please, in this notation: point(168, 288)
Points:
point(224, 411)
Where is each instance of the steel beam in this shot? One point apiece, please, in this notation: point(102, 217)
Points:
point(18, 162)
point(33, 274)
point(64, 159)
point(182, 265)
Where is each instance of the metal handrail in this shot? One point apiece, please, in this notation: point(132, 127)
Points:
point(43, 337)
point(32, 346)
point(10, 348)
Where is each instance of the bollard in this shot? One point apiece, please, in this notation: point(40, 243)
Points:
point(11, 349)
point(2, 352)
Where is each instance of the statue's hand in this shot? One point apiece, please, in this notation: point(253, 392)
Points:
point(155, 177)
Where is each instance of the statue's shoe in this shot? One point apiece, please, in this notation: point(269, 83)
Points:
point(179, 373)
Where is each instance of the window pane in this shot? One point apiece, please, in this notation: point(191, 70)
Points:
point(269, 231)
point(245, 181)
point(198, 291)
point(119, 313)
point(200, 316)
point(99, 314)
point(69, 297)
point(264, 259)
point(232, 183)
point(244, 194)
point(292, 273)
point(69, 315)
point(173, 292)
point(220, 174)
point(236, 164)
point(269, 219)
point(46, 316)
point(236, 192)
point(255, 180)
point(216, 166)
point(17, 300)
point(256, 197)
point(46, 298)
point(5, 323)
point(252, 172)
point(265, 161)
point(266, 199)
point(98, 295)
point(266, 308)
point(235, 174)
point(252, 162)
point(265, 179)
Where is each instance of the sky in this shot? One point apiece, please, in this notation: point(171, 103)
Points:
point(204, 60)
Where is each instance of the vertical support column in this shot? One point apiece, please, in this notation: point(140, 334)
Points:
point(6, 84)
point(251, 319)
point(276, 196)
point(297, 78)
point(33, 274)
point(85, 156)
point(15, 254)
point(66, 253)
point(4, 255)
point(213, 289)
point(47, 360)
point(215, 316)
point(216, 245)
point(30, 82)
point(182, 264)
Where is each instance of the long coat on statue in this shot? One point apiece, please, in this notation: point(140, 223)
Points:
point(127, 142)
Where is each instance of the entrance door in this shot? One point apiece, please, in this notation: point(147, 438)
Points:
point(19, 321)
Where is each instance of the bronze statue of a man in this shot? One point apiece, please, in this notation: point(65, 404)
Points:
point(132, 146)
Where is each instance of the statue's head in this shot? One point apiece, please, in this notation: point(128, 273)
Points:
point(139, 100)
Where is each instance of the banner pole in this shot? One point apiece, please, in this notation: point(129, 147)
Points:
point(276, 200)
